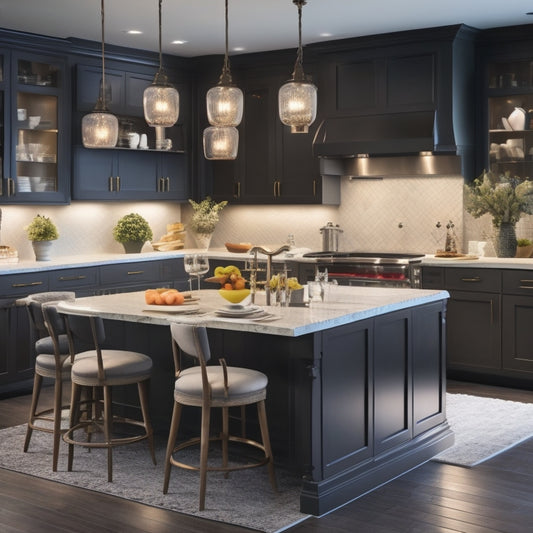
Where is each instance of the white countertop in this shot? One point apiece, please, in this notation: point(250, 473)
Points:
point(89, 260)
point(347, 305)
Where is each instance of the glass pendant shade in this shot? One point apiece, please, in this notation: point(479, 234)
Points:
point(161, 100)
point(297, 105)
point(161, 104)
point(221, 142)
point(99, 130)
point(224, 105)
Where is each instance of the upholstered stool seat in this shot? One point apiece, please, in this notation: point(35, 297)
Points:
point(208, 386)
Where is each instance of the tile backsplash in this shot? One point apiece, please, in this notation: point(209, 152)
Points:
point(394, 214)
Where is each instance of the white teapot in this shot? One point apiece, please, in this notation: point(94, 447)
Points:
point(517, 119)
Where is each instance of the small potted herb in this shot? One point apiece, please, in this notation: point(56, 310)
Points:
point(524, 248)
point(41, 231)
point(132, 231)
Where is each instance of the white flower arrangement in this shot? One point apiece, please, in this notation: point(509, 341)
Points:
point(205, 215)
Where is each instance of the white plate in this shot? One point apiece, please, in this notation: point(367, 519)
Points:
point(248, 310)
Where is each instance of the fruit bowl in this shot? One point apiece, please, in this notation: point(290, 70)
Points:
point(234, 296)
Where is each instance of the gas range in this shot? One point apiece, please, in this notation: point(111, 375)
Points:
point(375, 269)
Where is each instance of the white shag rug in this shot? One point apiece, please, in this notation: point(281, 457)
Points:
point(245, 499)
point(484, 427)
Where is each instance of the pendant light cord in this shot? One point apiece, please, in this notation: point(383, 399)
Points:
point(160, 53)
point(225, 77)
point(103, 54)
point(298, 74)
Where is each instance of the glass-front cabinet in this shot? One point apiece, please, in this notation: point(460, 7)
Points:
point(510, 117)
point(34, 130)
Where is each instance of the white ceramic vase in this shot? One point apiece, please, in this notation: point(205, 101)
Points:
point(42, 250)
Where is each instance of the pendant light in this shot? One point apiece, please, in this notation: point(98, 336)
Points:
point(224, 112)
point(297, 99)
point(161, 100)
point(99, 129)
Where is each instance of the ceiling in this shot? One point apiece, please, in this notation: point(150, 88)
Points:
point(254, 25)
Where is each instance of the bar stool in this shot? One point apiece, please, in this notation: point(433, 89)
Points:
point(52, 361)
point(208, 386)
point(102, 369)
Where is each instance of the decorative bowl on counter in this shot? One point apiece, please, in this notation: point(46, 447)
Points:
point(235, 296)
point(238, 248)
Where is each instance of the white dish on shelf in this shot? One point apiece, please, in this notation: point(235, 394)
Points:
point(506, 124)
point(517, 119)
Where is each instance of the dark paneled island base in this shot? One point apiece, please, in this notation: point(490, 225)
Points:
point(349, 407)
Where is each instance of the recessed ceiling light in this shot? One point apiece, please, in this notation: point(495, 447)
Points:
point(134, 32)
point(177, 41)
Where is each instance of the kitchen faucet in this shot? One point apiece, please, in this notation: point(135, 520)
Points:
point(253, 271)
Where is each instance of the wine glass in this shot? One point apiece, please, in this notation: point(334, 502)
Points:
point(189, 263)
point(202, 266)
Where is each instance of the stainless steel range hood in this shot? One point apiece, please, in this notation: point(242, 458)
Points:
point(390, 134)
point(373, 146)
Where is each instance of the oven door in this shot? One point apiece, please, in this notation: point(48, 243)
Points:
point(364, 275)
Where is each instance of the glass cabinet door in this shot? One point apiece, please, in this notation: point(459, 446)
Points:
point(36, 127)
point(510, 118)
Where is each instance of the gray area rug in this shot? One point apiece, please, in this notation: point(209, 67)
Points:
point(246, 498)
point(484, 427)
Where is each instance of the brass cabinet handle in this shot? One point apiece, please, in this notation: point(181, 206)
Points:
point(10, 187)
point(526, 281)
point(167, 181)
point(135, 272)
point(118, 183)
point(471, 280)
point(525, 287)
point(31, 284)
point(314, 187)
point(237, 189)
point(160, 184)
point(70, 278)
point(277, 188)
point(110, 184)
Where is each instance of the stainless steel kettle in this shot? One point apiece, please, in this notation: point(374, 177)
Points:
point(330, 237)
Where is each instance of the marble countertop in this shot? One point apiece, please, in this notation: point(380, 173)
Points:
point(344, 305)
point(90, 260)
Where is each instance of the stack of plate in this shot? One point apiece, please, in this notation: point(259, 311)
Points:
point(23, 184)
point(240, 311)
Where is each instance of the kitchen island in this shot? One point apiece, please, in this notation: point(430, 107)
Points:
point(356, 384)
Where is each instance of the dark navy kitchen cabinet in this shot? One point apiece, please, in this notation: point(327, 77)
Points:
point(35, 126)
point(122, 174)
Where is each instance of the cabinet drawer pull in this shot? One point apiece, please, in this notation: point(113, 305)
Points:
point(70, 278)
point(167, 180)
point(525, 287)
point(110, 185)
point(471, 280)
point(10, 187)
point(314, 187)
point(526, 281)
point(31, 284)
point(135, 272)
point(118, 183)
point(237, 189)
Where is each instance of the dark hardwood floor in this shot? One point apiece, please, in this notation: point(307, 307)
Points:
point(494, 496)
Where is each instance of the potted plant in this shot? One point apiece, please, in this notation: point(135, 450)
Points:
point(524, 248)
point(41, 232)
point(132, 231)
point(204, 220)
point(506, 199)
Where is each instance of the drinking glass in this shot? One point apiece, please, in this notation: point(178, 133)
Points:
point(202, 267)
point(189, 263)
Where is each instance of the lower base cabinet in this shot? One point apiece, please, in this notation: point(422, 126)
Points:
point(17, 356)
point(489, 318)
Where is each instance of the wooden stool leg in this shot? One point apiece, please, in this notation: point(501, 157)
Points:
point(224, 438)
point(261, 411)
point(143, 398)
point(172, 436)
point(58, 400)
point(74, 414)
point(37, 383)
point(204, 448)
point(108, 431)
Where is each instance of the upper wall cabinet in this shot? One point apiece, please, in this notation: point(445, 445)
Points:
point(126, 172)
point(506, 64)
point(34, 129)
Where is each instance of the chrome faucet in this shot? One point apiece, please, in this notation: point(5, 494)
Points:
point(270, 254)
